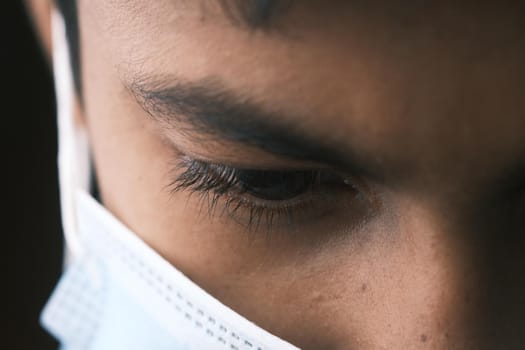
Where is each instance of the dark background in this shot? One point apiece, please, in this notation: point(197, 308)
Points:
point(31, 245)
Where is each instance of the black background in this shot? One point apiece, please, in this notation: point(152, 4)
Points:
point(31, 245)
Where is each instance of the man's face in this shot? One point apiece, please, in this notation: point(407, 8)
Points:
point(347, 175)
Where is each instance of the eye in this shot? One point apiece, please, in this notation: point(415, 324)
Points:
point(264, 196)
point(283, 185)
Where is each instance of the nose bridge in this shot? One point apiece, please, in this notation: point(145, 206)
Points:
point(479, 261)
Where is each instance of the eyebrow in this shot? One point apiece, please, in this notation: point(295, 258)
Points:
point(209, 109)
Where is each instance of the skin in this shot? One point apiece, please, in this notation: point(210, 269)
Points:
point(428, 257)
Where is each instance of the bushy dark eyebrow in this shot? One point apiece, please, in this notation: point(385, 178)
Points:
point(207, 110)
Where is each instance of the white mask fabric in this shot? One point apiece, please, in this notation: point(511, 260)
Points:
point(117, 292)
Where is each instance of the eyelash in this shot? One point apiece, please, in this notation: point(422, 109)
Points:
point(215, 182)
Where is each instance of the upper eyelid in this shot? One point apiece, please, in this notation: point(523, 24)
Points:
point(204, 176)
point(201, 175)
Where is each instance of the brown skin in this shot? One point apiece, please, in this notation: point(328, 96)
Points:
point(431, 258)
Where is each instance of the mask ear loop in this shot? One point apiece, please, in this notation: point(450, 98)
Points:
point(73, 149)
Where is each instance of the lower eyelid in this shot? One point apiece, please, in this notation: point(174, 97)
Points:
point(291, 214)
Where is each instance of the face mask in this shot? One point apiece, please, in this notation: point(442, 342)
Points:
point(117, 293)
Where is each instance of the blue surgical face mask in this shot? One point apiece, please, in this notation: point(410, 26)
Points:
point(116, 292)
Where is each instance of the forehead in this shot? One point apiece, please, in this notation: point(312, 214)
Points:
point(422, 87)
